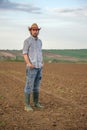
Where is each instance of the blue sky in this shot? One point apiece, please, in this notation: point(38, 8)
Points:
point(63, 23)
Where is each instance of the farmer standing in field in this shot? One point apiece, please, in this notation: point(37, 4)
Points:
point(32, 52)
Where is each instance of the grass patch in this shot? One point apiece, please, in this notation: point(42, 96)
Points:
point(2, 123)
point(1, 97)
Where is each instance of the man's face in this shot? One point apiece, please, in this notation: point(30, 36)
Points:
point(34, 32)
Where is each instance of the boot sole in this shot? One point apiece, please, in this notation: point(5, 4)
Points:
point(28, 109)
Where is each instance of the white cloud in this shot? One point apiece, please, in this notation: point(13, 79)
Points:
point(74, 11)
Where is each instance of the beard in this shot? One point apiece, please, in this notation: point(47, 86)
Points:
point(35, 34)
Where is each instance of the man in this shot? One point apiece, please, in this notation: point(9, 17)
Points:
point(32, 52)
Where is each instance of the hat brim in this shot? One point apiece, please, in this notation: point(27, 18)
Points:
point(33, 28)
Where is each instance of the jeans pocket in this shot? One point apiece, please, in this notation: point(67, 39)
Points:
point(32, 71)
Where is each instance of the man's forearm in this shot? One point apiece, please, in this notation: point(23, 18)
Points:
point(27, 60)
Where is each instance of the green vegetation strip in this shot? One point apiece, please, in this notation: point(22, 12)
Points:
point(81, 53)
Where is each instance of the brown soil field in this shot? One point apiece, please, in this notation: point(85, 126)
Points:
point(63, 93)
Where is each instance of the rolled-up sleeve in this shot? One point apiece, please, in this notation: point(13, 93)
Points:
point(25, 47)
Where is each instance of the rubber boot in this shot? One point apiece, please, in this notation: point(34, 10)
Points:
point(36, 100)
point(27, 102)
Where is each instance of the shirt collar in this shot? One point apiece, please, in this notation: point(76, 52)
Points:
point(35, 38)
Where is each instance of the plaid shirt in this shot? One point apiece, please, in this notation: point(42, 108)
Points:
point(33, 48)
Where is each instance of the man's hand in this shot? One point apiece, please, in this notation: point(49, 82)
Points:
point(31, 66)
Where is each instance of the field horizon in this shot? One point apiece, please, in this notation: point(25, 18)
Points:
point(49, 55)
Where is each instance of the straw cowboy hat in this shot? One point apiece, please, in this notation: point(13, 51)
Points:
point(34, 26)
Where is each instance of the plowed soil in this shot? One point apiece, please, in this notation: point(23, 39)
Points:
point(63, 93)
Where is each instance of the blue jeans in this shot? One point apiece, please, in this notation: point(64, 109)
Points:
point(33, 78)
